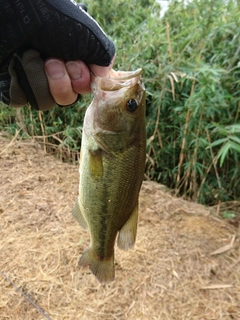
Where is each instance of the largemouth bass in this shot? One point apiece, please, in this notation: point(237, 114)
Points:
point(112, 164)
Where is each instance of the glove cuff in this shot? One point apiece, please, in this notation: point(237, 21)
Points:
point(27, 71)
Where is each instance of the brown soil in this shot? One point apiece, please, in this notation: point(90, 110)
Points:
point(185, 264)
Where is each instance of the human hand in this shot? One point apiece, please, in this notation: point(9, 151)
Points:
point(67, 80)
point(58, 29)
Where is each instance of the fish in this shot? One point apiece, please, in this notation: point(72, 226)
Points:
point(112, 165)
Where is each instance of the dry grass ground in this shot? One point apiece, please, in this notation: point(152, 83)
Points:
point(185, 265)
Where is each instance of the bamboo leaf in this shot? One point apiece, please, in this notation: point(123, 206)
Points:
point(223, 153)
point(235, 138)
point(235, 128)
point(217, 142)
point(235, 146)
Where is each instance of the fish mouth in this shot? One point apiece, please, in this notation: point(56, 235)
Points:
point(116, 80)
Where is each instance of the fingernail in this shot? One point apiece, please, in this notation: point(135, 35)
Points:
point(74, 70)
point(54, 69)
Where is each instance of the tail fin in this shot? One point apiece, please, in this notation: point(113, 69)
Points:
point(103, 269)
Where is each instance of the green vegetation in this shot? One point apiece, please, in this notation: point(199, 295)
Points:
point(191, 65)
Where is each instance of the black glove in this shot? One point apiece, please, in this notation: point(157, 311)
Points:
point(30, 32)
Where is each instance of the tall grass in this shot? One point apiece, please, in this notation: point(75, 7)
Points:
point(190, 59)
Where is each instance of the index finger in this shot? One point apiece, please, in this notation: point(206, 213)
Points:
point(102, 71)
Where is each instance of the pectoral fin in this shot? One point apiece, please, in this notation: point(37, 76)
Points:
point(77, 214)
point(127, 235)
point(95, 163)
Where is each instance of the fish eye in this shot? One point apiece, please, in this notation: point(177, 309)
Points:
point(132, 105)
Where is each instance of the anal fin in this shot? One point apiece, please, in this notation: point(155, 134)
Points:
point(127, 234)
point(77, 214)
